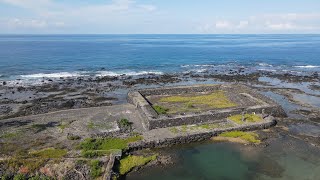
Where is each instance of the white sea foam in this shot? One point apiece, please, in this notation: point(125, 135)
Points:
point(264, 65)
point(204, 65)
point(128, 73)
point(201, 70)
point(54, 75)
point(307, 66)
point(268, 70)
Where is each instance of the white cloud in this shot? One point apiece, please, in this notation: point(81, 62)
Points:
point(223, 25)
point(266, 23)
point(29, 4)
point(17, 23)
point(49, 13)
point(243, 24)
point(280, 26)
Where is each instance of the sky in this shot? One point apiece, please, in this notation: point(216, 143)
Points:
point(159, 16)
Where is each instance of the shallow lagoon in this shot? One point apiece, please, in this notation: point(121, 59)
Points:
point(284, 158)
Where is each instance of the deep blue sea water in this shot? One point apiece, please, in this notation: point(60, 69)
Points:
point(37, 56)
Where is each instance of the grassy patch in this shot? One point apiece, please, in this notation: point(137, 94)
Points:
point(64, 125)
point(217, 99)
point(129, 162)
point(73, 137)
point(49, 153)
point(31, 164)
point(101, 146)
point(160, 109)
point(247, 136)
point(95, 168)
point(34, 160)
point(249, 118)
point(174, 130)
point(186, 128)
point(124, 122)
point(90, 125)
point(10, 135)
point(19, 177)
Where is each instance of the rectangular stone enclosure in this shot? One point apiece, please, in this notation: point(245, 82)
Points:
point(183, 105)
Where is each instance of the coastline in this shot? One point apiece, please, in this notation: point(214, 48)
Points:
point(75, 93)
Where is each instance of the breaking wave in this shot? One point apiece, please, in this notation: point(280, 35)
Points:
point(307, 66)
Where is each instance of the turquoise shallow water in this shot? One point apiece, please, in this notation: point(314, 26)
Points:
point(285, 158)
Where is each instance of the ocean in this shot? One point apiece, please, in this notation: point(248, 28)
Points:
point(30, 57)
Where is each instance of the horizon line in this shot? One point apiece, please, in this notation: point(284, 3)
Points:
point(159, 34)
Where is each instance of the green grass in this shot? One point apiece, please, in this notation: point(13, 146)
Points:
point(160, 109)
point(95, 169)
point(64, 125)
point(49, 153)
point(73, 137)
point(249, 118)
point(247, 136)
point(19, 177)
point(90, 125)
point(129, 162)
point(217, 99)
point(124, 122)
point(186, 128)
point(101, 146)
point(34, 160)
point(174, 130)
point(10, 135)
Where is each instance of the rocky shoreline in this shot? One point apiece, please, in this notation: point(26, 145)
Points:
point(297, 94)
point(72, 93)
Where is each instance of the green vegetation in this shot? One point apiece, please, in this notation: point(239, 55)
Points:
point(129, 162)
point(33, 160)
point(73, 137)
point(95, 169)
point(5, 177)
point(125, 125)
point(19, 177)
point(174, 130)
point(190, 105)
point(160, 109)
point(64, 125)
point(101, 146)
point(186, 128)
point(37, 177)
point(249, 118)
point(247, 136)
point(124, 122)
point(49, 153)
point(10, 135)
point(90, 125)
point(217, 99)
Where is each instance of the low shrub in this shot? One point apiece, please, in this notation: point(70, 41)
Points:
point(249, 118)
point(247, 136)
point(160, 109)
point(95, 168)
point(101, 146)
point(129, 162)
